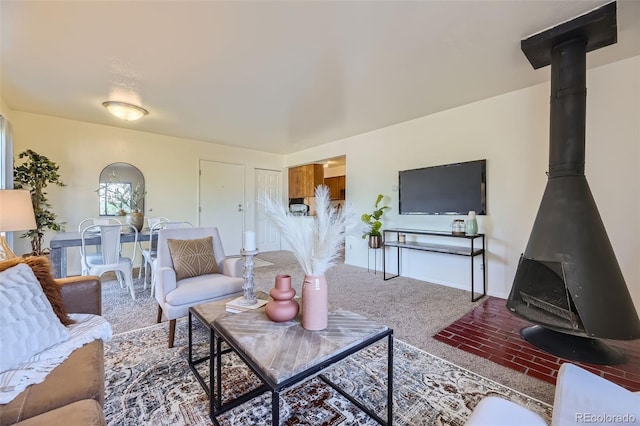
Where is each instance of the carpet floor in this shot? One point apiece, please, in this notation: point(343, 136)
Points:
point(415, 310)
point(148, 383)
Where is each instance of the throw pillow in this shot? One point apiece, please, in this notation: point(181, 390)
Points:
point(28, 324)
point(41, 268)
point(192, 258)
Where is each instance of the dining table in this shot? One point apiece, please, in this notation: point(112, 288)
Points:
point(63, 240)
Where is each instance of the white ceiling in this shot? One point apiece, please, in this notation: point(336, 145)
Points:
point(276, 76)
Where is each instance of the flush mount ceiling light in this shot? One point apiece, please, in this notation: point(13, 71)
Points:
point(125, 111)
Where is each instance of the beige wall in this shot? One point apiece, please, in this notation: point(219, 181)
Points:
point(169, 166)
point(510, 131)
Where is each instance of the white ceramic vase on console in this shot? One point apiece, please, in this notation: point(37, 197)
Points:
point(472, 224)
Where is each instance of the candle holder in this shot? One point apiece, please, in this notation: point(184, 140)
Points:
point(248, 298)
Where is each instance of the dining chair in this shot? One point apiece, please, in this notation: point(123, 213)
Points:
point(149, 252)
point(97, 221)
point(110, 258)
point(150, 255)
point(84, 223)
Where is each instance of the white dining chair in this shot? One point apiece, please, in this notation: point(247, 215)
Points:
point(97, 221)
point(110, 258)
point(150, 255)
point(149, 252)
point(85, 223)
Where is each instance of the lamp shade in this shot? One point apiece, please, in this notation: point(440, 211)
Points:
point(16, 210)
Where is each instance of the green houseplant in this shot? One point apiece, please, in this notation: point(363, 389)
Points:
point(35, 173)
point(374, 224)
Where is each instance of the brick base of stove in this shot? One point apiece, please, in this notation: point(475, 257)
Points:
point(492, 332)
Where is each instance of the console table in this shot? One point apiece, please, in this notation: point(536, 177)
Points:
point(468, 249)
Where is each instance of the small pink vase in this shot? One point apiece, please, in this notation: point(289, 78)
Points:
point(282, 307)
point(315, 310)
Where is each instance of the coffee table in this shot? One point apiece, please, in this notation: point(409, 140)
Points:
point(285, 354)
point(206, 313)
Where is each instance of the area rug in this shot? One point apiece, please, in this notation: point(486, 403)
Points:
point(150, 384)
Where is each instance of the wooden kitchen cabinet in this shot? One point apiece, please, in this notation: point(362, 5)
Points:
point(337, 187)
point(304, 179)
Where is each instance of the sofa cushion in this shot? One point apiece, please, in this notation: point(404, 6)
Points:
point(81, 376)
point(27, 321)
point(81, 413)
point(496, 411)
point(86, 329)
point(582, 397)
point(41, 268)
point(192, 258)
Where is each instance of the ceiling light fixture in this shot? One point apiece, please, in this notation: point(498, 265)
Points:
point(125, 111)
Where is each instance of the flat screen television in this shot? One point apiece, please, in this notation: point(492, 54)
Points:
point(446, 189)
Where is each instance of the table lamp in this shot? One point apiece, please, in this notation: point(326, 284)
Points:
point(16, 214)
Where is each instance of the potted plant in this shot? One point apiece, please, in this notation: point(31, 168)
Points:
point(135, 217)
point(374, 224)
point(34, 174)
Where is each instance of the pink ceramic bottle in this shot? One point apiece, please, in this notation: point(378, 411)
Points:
point(315, 310)
point(282, 307)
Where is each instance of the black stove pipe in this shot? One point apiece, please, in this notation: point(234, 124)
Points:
point(568, 108)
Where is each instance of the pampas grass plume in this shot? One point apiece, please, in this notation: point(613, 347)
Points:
point(316, 243)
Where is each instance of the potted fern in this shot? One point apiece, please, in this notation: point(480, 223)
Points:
point(373, 224)
point(34, 175)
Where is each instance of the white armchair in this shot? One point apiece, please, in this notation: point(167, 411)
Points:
point(175, 296)
point(580, 397)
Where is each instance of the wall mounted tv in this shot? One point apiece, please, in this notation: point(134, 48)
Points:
point(446, 189)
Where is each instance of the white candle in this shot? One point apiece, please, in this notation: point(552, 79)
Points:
point(249, 241)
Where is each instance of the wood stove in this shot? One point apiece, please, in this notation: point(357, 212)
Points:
point(568, 280)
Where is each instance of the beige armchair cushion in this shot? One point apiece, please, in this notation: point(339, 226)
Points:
point(192, 258)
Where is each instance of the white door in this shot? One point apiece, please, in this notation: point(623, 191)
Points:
point(268, 184)
point(222, 202)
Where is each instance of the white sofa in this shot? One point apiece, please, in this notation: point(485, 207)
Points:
point(176, 296)
point(580, 398)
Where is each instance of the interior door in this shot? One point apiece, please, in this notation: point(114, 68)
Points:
point(269, 184)
point(222, 202)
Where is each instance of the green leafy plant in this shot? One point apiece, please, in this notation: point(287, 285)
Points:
point(373, 220)
point(35, 173)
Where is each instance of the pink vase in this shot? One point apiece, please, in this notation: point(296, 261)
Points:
point(282, 307)
point(315, 311)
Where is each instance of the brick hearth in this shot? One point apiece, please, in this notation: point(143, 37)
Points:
point(492, 332)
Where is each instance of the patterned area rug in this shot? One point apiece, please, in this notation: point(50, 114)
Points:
point(150, 384)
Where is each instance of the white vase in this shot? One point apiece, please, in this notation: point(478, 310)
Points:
point(472, 224)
